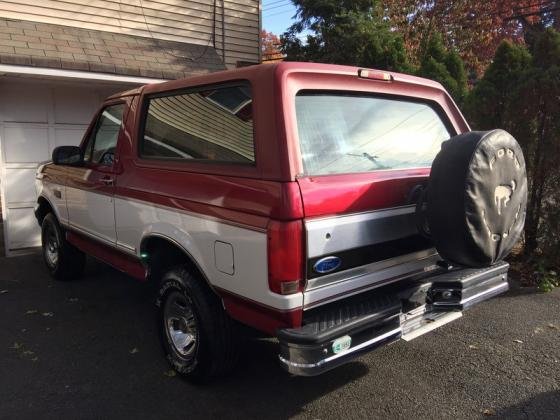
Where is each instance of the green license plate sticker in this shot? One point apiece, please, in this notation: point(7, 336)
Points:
point(341, 344)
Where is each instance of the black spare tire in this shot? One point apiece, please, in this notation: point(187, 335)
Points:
point(477, 198)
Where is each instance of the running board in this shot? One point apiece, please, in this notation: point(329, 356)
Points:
point(415, 327)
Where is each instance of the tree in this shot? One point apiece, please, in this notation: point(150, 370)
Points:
point(490, 104)
point(541, 90)
point(520, 92)
point(349, 32)
point(473, 28)
point(270, 46)
point(444, 66)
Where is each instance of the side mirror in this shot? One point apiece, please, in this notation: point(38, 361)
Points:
point(68, 155)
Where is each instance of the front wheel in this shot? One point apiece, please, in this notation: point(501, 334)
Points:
point(63, 260)
point(197, 335)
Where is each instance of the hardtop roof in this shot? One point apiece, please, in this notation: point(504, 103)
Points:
point(276, 69)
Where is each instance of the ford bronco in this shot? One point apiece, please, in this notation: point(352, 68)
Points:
point(335, 208)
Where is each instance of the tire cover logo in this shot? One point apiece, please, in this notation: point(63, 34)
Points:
point(503, 193)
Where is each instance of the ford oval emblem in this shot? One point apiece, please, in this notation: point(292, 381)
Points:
point(327, 265)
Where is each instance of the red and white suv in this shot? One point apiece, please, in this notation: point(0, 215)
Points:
point(293, 198)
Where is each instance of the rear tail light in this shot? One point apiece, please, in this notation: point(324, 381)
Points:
point(285, 257)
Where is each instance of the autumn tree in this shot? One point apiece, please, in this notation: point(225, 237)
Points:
point(270, 46)
point(473, 28)
point(349, 32)
point(520, 92)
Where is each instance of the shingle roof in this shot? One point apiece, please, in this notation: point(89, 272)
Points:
point(54, 46)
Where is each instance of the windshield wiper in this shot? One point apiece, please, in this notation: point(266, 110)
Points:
point(369, 157)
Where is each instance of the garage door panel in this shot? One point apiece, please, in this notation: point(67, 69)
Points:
point(20, 186)
point(71, 107)
point(69, 136)
point(24, 104)
point(25, 144)
point(23, 230)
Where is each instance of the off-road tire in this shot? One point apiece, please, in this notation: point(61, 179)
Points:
point(216, 350)
point(69, 262)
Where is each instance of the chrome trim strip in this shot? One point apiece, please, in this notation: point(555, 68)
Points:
point(345, 353)
point(364, 281)
point(366, 269)
point(334, 234)
point(89, 234)
point(126, 247)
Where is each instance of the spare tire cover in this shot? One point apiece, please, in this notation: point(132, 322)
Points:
point(477, 197)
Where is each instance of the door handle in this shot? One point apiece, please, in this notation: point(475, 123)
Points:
point(107, 180)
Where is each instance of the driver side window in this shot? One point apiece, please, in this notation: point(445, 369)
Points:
point(100, 148)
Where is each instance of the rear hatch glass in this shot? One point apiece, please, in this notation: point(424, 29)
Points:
point(341, 133)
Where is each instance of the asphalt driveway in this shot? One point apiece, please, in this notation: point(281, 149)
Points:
point(89, 349)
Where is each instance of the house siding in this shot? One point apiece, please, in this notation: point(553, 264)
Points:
point(231, 27)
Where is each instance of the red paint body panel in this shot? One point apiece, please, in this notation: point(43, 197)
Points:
point(355, 193)
point(265, 319)
point(111, 256)
point(240, 200)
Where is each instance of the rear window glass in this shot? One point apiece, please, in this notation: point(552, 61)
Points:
point(215, 124)
point(347, 133)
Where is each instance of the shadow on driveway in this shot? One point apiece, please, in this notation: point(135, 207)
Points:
point(90, 348)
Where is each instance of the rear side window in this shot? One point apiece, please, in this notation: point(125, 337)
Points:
point(214, 124)
point(347, 133)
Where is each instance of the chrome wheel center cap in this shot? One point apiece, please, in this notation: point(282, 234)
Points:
point(180, 324)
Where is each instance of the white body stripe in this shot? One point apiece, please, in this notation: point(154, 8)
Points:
point(47, 190)
point(91, 212)
point(198, 235)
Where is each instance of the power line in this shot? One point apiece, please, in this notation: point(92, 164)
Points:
point(211, 40)
point(277, 7)
point(275, 2)
point(279, 13)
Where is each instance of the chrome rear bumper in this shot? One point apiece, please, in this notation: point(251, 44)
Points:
point(339, 332)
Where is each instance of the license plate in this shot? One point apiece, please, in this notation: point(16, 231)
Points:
point(341, 344)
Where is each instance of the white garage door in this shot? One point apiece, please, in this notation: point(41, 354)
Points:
point(35, 117)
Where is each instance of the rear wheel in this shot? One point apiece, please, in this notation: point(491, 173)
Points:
point(197, 335)
point(63, 260)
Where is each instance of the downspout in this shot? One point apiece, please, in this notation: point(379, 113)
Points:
point(260, 31)
point(223, 33)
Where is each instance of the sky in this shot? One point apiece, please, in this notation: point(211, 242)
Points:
point(277, 15)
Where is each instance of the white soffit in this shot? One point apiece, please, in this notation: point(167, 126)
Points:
point(8, 69)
